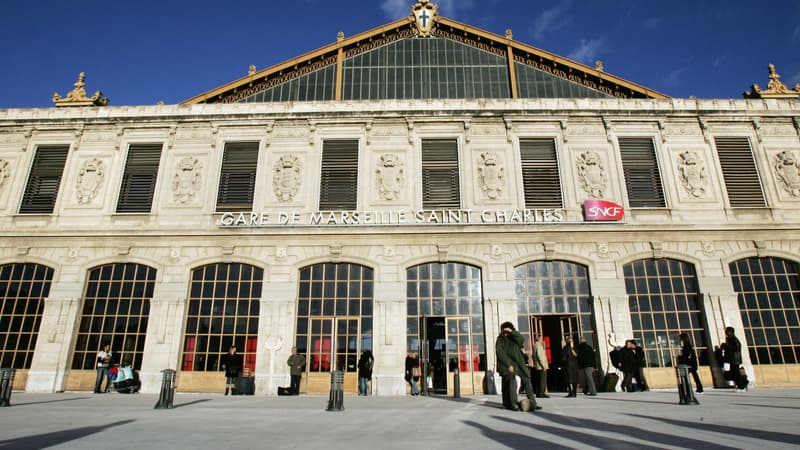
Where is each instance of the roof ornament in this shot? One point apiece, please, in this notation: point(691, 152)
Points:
point(775, 88)
point(424, 14)
point(598, 66)
point(77, 96)
point(251, 70)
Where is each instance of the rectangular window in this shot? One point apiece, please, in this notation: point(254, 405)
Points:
point(540, 177)
point(338, 184)
point(44, 180)
point(237, 179)
point(139, 179)
point(440, 177)
point(640, 167)
point(739, 172)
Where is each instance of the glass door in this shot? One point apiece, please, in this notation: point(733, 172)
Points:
point(462, 357)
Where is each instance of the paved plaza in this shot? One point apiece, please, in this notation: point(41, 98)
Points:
point(758, 419)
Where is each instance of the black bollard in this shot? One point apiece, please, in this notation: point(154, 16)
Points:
point(6, 385)
point(456, 383)
point(167, 394)
point(336, 398)
point(685, 392)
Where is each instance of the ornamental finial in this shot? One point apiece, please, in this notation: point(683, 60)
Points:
point(775, 88)
point(77, 96)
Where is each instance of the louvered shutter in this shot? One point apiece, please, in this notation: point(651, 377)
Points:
point(540, 177)
point(139, 179)
point(44, 180)
point(237, 179)
point(440, 176)
point(339, 177)
point(640, 168)
point(739, 172)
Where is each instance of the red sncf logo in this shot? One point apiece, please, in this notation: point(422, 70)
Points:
point(596, 210)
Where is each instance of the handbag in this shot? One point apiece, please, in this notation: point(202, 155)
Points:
point(415, 372)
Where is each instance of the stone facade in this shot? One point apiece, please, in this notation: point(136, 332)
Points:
point(184, 230)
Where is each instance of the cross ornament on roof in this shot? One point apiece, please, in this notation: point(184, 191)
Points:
point(424, 15)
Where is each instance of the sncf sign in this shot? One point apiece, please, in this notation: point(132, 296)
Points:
point(602, 210)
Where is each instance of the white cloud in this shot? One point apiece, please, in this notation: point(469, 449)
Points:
point(674, 78)
point(551, 19)
point(396, 9)
point(588, 51)
point(455, 9)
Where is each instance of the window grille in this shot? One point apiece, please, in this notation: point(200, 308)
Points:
point(440, 176)
point(540, 177)
point(642, 178)
point(139, 179)
point(237, 179)
point(339, 179)
point(739, 172)
point(44, 180)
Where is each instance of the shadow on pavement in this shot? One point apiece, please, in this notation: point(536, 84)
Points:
point(40, 441)
point(516, 441)
point(202, 400)
point(655, 437)
point(576, 434)
point(765, 435)
point(765, 406)
point(50, 401)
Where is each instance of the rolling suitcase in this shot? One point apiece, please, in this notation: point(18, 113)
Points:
point(282, 390)
point(610, 382)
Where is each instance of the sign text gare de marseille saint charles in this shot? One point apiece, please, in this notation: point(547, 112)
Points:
point(594, 210)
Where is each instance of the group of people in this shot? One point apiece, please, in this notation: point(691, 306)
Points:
point(630, 360)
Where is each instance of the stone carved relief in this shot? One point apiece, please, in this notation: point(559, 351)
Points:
point(286, 177)
point(693, 173)
point(90, 178)
point(389, 175)
point(787, 168)
point(187, 180)
point(592, 174)
point(5, 173)
point(491, 175)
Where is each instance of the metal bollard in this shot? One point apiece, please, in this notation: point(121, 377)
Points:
point(456, 383)
point(167, 394)
point(336, 398)
point(685, 392)
point(6, 385)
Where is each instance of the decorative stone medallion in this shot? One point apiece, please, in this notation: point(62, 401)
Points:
point(491, 175)
point(286, 177)
point(692, 172)
point(788, 171)
point(389, 176)
point(592, 174)
point(187, 180)
point(90, 178)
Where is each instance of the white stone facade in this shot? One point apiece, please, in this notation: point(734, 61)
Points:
point(184, 229)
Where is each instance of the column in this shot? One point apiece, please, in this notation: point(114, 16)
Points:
point(276, 325)
point(389, 338)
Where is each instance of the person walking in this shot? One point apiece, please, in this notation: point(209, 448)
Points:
point(586, 361)
point(296, 365)
point(640, 365)
point(231, 363)
point(412, 373)
point(569, 359)
point(102, 364)
point(733, 357)
point(628, 365)
point(540, 366)
point(510, 365)
point(689, 357)
point(365, 363)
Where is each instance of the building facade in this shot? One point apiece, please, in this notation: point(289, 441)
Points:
point(406, 189)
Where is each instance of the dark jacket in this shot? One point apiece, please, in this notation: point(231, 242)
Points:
point(586, 356)
point(688, 355)
point(639, 354)
point(509, 354)
point(410, 364)
point(296, 364)
point(231, 364)
point(365, 364)
point(733, 351)
point(628, 359)
point(569, 357)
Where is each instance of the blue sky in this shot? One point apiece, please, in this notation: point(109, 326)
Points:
point(141, 52)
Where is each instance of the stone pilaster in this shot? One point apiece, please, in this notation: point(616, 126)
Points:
point(165, 330)
point(389, 338)
point(276, 326)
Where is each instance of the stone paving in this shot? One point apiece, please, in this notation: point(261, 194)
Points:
point(758, 419)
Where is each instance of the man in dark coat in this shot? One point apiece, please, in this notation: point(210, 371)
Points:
point(733, 356)
point(365, 364)
point(569, 359)
point(586, 361)
point(628, 365)
point(638, 351)
point(296, 365)
point(232, 365)
point(511, 364)
point(689, 358)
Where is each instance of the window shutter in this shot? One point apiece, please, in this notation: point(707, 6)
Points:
point(440, 177)
point(739, 172)
point(139, 179)
point(237, 179)
point(642, 178)
point(540, 177)
point(44, 180)
point(339, 178)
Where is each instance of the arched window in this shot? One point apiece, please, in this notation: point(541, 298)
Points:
point(334, 315)
point(769, 301)
point(116, 306)
point(224, 304)
point(664, 302)
point(23, 288)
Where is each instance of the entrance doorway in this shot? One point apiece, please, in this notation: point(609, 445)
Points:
point(446, 353)
point(333, 345)
point(554, 328)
